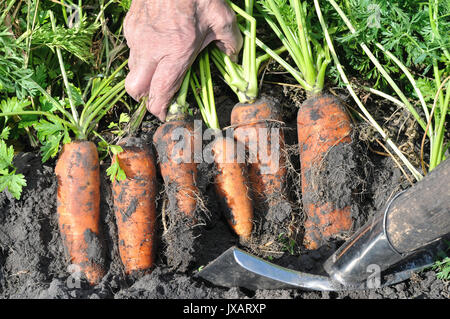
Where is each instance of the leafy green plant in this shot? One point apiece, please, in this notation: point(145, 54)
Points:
point(119, 129)
point(56, 83)
point(114, 171)
point(9, 179)
point(288, 244)
point(59, 124)
point(432, 51)
point(292, 23)
point(14, 78)
point(242, 77)
point(202, 88)
point(76, 40)
point(442, 266)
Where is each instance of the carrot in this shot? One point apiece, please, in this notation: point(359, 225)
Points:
point(184, 216)
point(231, 178)
point(267, 175)
point(135, 206)
point(231, 186)
point(77, 168)
point(179, 175)
point(322, 124)
point(78, 207)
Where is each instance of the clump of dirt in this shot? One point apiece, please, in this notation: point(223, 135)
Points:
point(182, 241)
point(182, 235)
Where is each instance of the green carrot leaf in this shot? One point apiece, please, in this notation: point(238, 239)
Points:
point(4, 135)
point(50, 147)
point(115, 172)
point(46, 129)
point(115, 149)
point(13, 104)
point(8, 178)
point(77, 95)
point(6, 155)
point(124, 118)
point(14, 183)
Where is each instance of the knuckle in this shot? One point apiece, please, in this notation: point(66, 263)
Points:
point(226, 22)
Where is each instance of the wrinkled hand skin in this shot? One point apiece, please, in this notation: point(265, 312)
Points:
point(165, 37)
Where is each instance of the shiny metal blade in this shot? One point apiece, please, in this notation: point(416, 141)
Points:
point(236, 268)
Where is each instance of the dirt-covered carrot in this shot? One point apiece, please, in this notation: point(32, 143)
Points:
point(254, 114)
point(231, 184)
point(183, 215)
point(78, 208)
point(77, 168)
point(180, 177)
point(177, 165)
point(135, 206)
point(254, 119)
point(174, 142)
point(253, 124)
point(322, 124)
point(231, 177)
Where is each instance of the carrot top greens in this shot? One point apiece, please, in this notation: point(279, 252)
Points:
point(243, 77)
point(293, 25)
point(180, 106)
point(60, 121)
point(202, 87)
point(430, 85)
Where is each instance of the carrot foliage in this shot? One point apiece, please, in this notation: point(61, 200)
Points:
point(61, 73)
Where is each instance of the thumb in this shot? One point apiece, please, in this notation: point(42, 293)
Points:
point(226, 31)
point(166, 82)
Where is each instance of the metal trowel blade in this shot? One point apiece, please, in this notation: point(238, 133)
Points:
point(236, 268)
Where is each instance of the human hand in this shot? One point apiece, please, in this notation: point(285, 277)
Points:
point(165, 37)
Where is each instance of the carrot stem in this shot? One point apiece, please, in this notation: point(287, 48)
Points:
point(65, 79)
point(204, 92)
point(243, 78)
point(180, 106)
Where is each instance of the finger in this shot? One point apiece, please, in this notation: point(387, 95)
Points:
point(142, 68)
point(231, 44)
point(166, 81)
point(226, 30)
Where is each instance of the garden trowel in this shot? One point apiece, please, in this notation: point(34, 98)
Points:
point(402, 239)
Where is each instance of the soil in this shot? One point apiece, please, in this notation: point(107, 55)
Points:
point(33, 262)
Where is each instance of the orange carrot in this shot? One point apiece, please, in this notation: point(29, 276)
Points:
point(322, 124)
point(177, 165)
point(78, 207)
point(231, 187)
point(135, 206)
point(267, 176)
